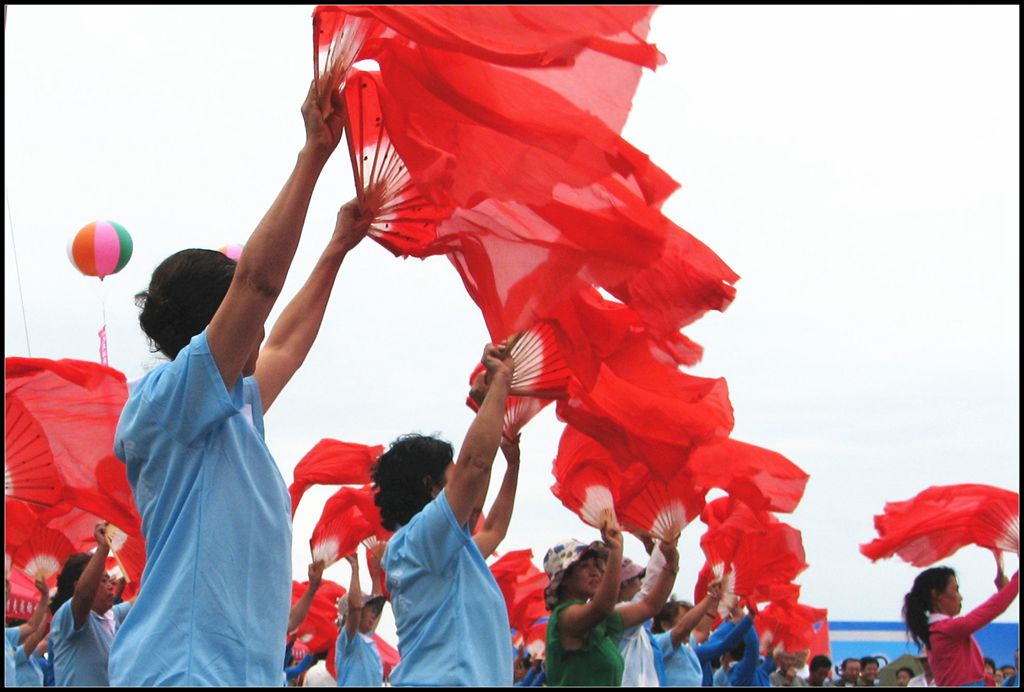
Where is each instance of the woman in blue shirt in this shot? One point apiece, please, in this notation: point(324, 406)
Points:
point(449, 612)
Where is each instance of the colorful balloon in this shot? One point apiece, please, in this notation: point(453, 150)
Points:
point(232, 251)
point(101, 248)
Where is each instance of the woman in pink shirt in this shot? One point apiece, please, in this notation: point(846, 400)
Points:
point(931, 611)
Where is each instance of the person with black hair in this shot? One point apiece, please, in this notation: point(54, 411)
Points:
point(672, 628)
point(85, 618)
point(868, 672)
point(22, 639)
point(450, 615)
point(357, 659)
point(931, 611)
point(904, 675)
point(849, 673)
point(819, 671)
point(216, 515)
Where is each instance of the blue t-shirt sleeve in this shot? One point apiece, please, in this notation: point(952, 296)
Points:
point(64, 621)
point(121, 611)
point(434, 536)
point(12, 634)
point(743, 672)
point(663, 640)
point(190, 393)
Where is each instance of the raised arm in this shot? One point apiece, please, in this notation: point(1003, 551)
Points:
point(355, 598)
point(633, 613)
point(681, 632)
point(577, 621)
point(236, 329)
point(38, 619)
point(498, 519)
point(724, 639)
point(315, 573)
point(89, 581)
point(983, 614)
point(473, 469)
point(296, 330)
point(376, 588)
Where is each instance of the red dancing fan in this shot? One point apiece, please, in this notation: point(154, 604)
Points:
point(337, 40)
point(539, 369)
point(43, 554)
point(403, 221)
point(29, 470)
point(765, 554)
point(20, 519)
point(939, 521)
point(662, 508)
point(522, 586)
point(349, 517)
point(588, 480)
point(333, 462)
point(318, 630)
point(535, 638)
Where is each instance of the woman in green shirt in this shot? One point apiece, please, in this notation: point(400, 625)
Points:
point(586, 623)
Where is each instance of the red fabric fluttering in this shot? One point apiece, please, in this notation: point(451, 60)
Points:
point(333, 462)
point(789, 625)
point(764, 554)
point(522, 586)
point(940, 520)
point(535, 638)
point(763, 479)
point(589, 481)
point(349, 517)
point(42, 554)
point(663, 507)
point(318, 630)
point(76, 406)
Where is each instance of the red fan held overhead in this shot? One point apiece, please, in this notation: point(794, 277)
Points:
point(43, 554)
point(663, 507)
point(29, 470)
point(589, 481)
point(349, 517)
point(939, 521)
point(403, 221)
point(788, 625)
point(763, 479)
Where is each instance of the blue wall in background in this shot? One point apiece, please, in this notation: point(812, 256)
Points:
point(851, 639)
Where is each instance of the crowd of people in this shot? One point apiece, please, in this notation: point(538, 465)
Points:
point(214, 606)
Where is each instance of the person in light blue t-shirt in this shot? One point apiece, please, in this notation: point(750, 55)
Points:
point(357, 659)
point(673, 627)
point(449, 612)
point(20, 641)
point(214, 599)
point(85, 619)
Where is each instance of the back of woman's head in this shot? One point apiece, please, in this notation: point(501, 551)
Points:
point(73, 568)
point(918, 601)
point(183, 295)
point(405, 476)
point(666, 617)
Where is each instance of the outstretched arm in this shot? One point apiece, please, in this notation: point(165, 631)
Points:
point(315, 573)
point(496, 524)
point(633, 613)
point(294, 332)
point(681, 632)
point(37, 621)
point(92, 575)
point(472, 471)
point(376, 588)
point(355, 598)
point(236, 329)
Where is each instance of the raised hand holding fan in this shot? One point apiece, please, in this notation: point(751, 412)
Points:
point(43, 554)
point(540, 370)
point(402, 219)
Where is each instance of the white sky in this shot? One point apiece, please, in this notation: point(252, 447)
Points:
point(857, 166)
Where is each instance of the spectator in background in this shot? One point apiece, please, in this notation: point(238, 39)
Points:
point(989, 666)
point(849, 673)
point(868, 672)
point(903, 676)
point(788, 664)
point(1012, 678)
point(1007, 672)
point(820, 671)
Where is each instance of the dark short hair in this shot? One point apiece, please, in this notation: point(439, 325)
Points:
point(910, 671)
point(666, 616)
point(842, 666)
point(868, 659)
point(183, 295)
point(405, 474)
point(69, 574)
point(820, 661)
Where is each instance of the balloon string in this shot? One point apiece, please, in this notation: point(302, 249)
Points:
point(17, 268)
point(103, 331)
